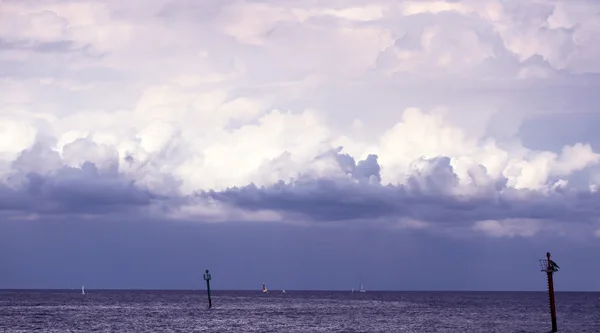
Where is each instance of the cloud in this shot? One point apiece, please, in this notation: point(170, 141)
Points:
point(41, 184)
point(420, 115)
point(432, 195)
point(509, 227)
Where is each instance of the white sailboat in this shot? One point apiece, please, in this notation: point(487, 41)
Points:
point(82, 290)
point(362, 289)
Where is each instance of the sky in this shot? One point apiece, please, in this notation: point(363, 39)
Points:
point(413, 145)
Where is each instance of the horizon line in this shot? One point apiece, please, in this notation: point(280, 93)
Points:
point(298, 290)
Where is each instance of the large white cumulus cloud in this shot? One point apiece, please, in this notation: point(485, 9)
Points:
point(298, 111)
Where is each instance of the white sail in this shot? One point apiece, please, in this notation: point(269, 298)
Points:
point(362, 289)
point(82, 290)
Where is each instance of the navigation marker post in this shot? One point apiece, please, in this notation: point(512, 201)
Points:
point(550, 267)
point(207, 279)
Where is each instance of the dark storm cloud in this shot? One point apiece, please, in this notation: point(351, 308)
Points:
point(32, 188)
point(73, 190)
point(427, 196)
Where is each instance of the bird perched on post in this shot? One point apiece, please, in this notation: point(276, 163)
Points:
point(554, 266)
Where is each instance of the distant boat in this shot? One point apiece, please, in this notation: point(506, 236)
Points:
point(283, 291)
point(362, 289)
point(82, 290)
point(264, 289)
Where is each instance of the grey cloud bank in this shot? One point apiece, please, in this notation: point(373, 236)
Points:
point(432, 197)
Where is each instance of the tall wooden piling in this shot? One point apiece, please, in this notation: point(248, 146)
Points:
point(550, 267)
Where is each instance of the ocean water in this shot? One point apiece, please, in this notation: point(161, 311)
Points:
point(294, 311)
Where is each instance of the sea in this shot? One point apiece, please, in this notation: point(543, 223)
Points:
point(294, 311)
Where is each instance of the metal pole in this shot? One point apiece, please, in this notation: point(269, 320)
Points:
point(207, 278)
point(550, 272)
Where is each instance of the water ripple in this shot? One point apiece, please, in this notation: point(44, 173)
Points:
point(180, 311)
